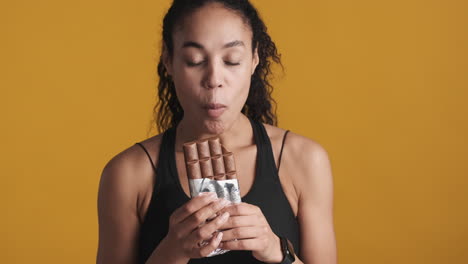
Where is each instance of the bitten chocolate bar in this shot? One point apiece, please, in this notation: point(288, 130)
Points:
point(211, 168)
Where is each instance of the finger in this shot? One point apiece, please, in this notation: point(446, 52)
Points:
point(206, 231)
point(242, 209)
point(214, 244)
point(192, 206)
point(241, 221)
point(253, 244)
point(199, 217)
point(244, 233)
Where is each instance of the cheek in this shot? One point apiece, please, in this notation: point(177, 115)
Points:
point(185, 76)
point(244, 76)
point(240, 85)
point(240, 74)
point(186, 82)
point(186, 90)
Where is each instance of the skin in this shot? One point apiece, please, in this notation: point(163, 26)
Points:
point(126, 183)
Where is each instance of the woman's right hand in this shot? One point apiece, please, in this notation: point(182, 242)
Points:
point(187, 228)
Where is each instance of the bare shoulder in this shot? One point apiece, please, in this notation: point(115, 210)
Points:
point(304, 159)
point(299, 147)
point(132, 161)
point(129, 173)
point(304, 148)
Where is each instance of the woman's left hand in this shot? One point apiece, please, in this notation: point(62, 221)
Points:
point(247, 229)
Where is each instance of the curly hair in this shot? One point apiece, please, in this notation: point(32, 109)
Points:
point(259, 106)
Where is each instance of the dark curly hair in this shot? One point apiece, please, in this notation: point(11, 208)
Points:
point(259, 106)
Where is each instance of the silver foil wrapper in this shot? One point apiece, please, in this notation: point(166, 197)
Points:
point(227, 189)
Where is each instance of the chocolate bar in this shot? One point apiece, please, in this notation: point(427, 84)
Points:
point(211, 168)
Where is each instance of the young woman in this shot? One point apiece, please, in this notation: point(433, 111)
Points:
point(214, 72)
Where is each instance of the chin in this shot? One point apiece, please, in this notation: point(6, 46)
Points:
point(214, 126)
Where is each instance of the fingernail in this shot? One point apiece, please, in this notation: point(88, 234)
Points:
point(219, 236)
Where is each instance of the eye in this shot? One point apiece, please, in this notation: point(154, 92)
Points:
point(193, 64)
point(232, 63)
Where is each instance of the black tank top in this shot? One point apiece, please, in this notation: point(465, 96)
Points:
point(168, 195)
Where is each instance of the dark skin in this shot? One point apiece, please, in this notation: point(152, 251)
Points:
point(305, 173)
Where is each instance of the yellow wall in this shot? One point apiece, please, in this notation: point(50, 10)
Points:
point(382, 85)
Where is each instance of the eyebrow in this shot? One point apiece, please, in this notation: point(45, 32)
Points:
point(231, 44)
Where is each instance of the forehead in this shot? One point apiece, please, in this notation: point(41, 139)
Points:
point(212, 26)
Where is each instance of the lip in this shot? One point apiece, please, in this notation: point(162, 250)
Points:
point(214, 110)
point(214, 106)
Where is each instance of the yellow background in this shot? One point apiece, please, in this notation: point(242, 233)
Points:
point(382, 85)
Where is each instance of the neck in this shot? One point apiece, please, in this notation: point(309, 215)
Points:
point(233, 136)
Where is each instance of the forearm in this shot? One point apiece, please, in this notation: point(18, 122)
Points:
point(277, 254)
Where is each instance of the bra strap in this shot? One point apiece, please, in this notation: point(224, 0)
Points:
point(149, 157)
point(281, 151)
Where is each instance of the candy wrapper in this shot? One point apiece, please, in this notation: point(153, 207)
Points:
point(211, 168)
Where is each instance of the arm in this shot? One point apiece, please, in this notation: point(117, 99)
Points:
point(119, 223)
point(315, 210)
point(117, 213)
point(307, 163)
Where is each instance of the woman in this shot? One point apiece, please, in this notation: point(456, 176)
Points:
point(214, 73)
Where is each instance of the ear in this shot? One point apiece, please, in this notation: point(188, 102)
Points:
point(255, 59)
point(166, 59)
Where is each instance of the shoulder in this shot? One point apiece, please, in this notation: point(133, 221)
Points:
point(304, 159)
point(132, 159)
point(126, 175)
point(306, 149)
point(298, 146)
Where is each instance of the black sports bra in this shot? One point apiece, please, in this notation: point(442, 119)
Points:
point(266, 193)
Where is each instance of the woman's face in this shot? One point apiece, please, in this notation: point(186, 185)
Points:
point(211, 67)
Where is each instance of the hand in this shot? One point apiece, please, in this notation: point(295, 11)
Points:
point(247, 229)
point(187, 227)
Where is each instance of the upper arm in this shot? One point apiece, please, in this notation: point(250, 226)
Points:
point(117, 213)
point(315, 209)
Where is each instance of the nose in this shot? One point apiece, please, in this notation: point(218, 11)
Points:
point(213, 76)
